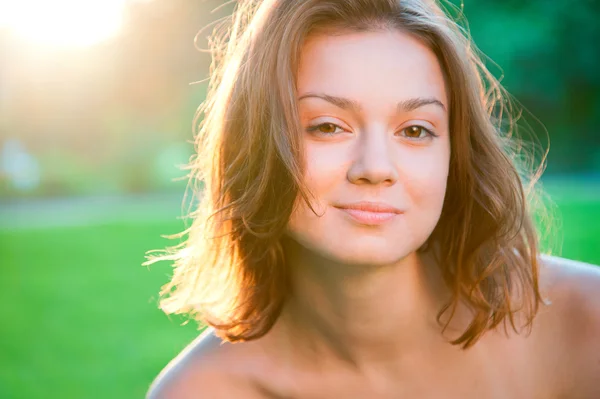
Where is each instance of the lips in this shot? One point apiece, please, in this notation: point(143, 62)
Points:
point(370, 213)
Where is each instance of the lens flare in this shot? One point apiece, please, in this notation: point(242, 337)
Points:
point(62, 23)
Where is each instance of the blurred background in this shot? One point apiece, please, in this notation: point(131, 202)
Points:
point(97, 99)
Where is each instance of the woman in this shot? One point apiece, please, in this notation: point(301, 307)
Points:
point(364, 231)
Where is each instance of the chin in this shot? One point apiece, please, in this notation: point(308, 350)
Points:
point(377, 247)
point(367, 255)
point(367, 251)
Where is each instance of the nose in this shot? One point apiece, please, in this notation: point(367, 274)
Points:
point(373, 162)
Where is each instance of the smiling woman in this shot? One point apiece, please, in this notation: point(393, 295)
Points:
point(364, 231)
point(385, 154)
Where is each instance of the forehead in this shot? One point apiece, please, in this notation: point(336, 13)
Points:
point(380, 65)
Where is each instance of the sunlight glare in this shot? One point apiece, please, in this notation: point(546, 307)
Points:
point(63, 23)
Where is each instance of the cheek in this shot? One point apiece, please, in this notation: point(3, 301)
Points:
point(325, 168)
point(426, 184)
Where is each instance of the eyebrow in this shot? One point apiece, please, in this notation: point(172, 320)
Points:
point(403, 106)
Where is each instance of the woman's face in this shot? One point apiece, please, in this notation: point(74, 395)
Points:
point(374, 113)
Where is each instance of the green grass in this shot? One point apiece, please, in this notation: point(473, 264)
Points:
point(79, 312)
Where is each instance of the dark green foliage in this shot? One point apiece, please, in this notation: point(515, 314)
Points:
point(549, 54)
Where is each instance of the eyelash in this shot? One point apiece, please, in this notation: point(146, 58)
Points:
point(314, 129)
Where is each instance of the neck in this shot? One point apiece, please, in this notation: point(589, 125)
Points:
point(363, 314)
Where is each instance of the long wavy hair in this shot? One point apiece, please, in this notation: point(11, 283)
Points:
point(230, 270)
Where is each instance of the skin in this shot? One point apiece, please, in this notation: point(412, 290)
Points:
point(361, 323)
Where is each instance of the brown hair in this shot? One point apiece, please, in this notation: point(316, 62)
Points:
point(230, 272)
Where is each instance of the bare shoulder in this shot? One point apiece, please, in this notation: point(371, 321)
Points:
point(573, 319)
point(575, 284)
point(206, 368)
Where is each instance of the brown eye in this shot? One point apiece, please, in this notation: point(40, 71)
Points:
point(327, 128)
point(414, 131)
point(324, 129)
point(417, 132)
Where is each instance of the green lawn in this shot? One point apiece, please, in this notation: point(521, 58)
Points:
point(79, 312)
